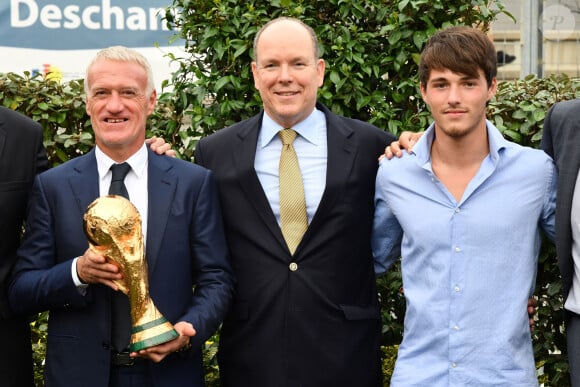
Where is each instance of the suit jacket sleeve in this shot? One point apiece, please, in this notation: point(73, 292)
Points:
point(22, 156)
point(39, 281)
point(213, 275)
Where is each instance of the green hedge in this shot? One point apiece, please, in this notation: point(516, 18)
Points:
point(371, 49)
point(518, 110)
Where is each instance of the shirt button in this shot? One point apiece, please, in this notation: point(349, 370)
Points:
point(456, 289)
point(457, 210)
point(293, 266)
point(453, 365)
point(458, 249)
point(456, 328)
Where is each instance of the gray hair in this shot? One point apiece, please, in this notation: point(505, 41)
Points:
point(122, 54)
point(285, 18)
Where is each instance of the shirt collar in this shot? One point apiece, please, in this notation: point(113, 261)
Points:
point(306, 128)
point(138, 161)
point(496, 143)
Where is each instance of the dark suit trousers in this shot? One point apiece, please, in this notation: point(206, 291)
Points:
point(137, 375)
point(16, 363)
point(573, 341)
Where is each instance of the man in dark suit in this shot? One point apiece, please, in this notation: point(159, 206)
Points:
point(561, 140)
point(22, 155)
point(182, 227)
point(308, 317)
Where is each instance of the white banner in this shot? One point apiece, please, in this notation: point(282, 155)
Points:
point(61, 36)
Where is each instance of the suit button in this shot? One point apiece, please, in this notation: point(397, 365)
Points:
point(293, 266)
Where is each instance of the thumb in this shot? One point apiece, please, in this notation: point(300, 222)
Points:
point(185, 329)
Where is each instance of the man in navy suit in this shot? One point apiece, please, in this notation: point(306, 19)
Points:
point(308, 317)
point(22, 156)
point(190, 279)
point(561, 140)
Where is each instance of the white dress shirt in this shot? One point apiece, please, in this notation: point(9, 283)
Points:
point(136, 183)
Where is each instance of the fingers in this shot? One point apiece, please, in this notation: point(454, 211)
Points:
point(391, 151)
point(406, 141)
point(93, 268)
point(532, 303)
point(161, 351)
point(409, 139)
point(170, 152)
point(159, 146)
point(163, 149)
point(156, 353)
point(185, 329)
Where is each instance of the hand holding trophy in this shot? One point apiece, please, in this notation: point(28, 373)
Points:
point(113, 227)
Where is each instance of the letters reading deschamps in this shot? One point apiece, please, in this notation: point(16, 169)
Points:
point(103, 16)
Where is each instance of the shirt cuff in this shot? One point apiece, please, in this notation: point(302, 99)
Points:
point(81, 286)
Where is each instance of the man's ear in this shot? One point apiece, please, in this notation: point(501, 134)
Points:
point(492, 89)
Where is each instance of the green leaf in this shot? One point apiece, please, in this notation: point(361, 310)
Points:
point(539, 115)
point(334, 77)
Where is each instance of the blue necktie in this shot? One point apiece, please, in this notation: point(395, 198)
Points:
point(118, 180)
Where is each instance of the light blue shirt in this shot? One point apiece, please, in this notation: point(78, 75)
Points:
point(468, 267)
point(311, 148)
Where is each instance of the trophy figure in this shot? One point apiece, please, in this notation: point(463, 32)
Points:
point(113, 227)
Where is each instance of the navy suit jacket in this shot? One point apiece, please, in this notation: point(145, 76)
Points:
point(185, 248)
point(22, 156)
point(561, 140)
point(311, 319)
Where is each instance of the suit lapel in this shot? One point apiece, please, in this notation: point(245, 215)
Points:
point(84, 181)
point(244, 155)
point(341, 155)
point(161, 190)
point(568, 165)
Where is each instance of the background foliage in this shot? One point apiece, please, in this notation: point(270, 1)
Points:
point(371, 49)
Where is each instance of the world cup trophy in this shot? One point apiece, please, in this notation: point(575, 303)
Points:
point(113, 227)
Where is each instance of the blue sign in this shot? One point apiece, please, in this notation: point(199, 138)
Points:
point(83, 24)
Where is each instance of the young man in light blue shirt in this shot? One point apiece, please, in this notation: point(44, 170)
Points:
point(464, 211)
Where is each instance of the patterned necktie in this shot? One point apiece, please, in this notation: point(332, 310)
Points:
point(293, 219)
point(121, 312)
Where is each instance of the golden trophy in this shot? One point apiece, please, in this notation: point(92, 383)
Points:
point(113, 227)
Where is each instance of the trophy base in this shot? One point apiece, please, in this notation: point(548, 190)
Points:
point(151, 334)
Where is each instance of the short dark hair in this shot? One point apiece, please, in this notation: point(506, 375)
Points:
point(463, 50)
